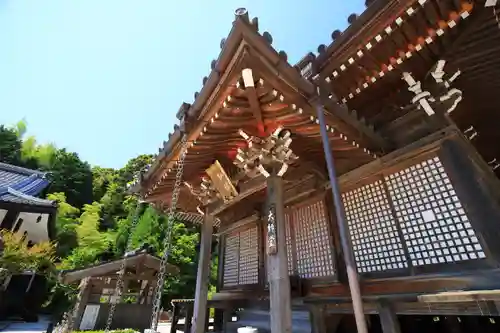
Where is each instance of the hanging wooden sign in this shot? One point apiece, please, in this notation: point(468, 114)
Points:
point(221, 181)
point(272, 232)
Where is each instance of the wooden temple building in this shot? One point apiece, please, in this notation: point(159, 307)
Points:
point(359, 186)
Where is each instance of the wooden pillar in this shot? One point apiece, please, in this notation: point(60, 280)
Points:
point(218, 320)
point(82, 304)
point(175, 318)
point(279, 281)
point(189, 317)
point(317, 317)
point(226, 318)
point(152, 291)
point(203, 276)
point(388, 319)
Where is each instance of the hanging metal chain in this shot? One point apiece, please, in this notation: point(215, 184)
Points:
point(168, 235)
point(117, 294)
point(66, 323)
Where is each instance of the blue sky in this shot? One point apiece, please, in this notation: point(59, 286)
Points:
point(104, 78)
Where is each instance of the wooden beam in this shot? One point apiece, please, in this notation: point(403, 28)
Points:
point(247, 220)
point(259, 183)
point(203, 276)
point(82, 304)
point(114, 266)
point(253, 100)
point(143, 276)
point(427, 144)
point(461, 296)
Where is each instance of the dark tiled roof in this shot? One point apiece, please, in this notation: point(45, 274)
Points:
point(18, 197)
point(21, 185)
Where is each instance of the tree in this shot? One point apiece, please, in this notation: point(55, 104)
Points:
point(183, 254)
point(10, 146)
point(135, 165)
point(91, 242)
point(116, 189)
point(95, 213)
point(35, 155)
point(66, 223)
point(102, 178)
point(71, 176)
point(26, 152)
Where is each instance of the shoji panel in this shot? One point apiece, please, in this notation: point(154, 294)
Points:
point(231, 259)
point(249, 256)
point(241, 257)
point(434, 223)
point(313, 247)
point(289, 244)
point(374, 235)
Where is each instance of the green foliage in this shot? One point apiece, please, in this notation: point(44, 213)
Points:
point(20, 128)
point(95, 215)
point(66, 224)
point(39, 156)
point(102, 178)
point(183, 254)
point(91, 242)
point(115, 200)
point(10, 146)
point(18, 257)
point(73, 177)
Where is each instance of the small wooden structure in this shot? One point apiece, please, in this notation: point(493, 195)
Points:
point(394, 194)
point(97, 287)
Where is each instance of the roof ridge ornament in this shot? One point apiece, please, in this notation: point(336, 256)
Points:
point(241, 13)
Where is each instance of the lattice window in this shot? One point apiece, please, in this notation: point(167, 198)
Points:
point(249, 257)
point(373, 230)
point(231, 259)
point(241, 257)
point(313, 247)
point(289, 244)
point(434, 223)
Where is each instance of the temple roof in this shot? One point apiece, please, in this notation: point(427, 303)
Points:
point(133, 260)
point(361, 70)
point(21, 185)
point(279, 95)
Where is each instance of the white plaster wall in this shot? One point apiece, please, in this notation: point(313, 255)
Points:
point(37, 231)
point(3, 212)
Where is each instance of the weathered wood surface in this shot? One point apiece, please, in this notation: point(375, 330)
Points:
point(279, 281)
point(140, 261)
point(388, 318)
point(461, 296)
point(203, 276)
